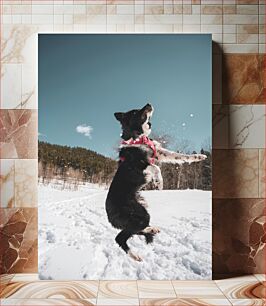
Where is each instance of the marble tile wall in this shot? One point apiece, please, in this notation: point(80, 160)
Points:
point(18, 235)
point(238, 30)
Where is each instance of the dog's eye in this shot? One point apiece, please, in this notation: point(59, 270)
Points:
point(143, 117)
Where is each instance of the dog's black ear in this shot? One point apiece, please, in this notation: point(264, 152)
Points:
point(119, 116)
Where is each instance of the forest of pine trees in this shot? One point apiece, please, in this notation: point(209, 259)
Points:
point(192, 176)
point(74, 164)
point(79, 165)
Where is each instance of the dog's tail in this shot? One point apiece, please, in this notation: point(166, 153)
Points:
point(148, 237)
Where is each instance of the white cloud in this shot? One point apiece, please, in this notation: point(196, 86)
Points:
point(84, 129)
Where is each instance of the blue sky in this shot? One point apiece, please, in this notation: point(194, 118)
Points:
point(84, 79)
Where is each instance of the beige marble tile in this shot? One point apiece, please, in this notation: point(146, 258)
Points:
point(191, 28)
point(26, 181)
point(229, 29)
point(220, 126)
point(187, 8)
point(240, 19)
point(262, 170)
point(247, 126)
point(262, 49)
point(153, 9)
point(19, 243)
point(247, 2)
point(4, 280)
point(79, 19)
point(18, 130)
point(195, 9)
point(160, 28)
point(260, 277)
point(211, 9)
point(248, 302)
point(262, 38)
point(43, 9)
point(178, 9)
point(211, 19)
point(184, 302)
point(197, 289)
point(242, 287)
point(42, 19)
point(48, 302)
point(216, 2)
point(191, 19)
point(139, 19)
point(235, 173)
point(125, 9)
point(163, 19)
point(216, 79)
point(7, 183)
point(125, 1)
point(247, 29)
point(212, 28)
point(51, 290)
point(247, 9)
point(229, 38)
point(156, 289)
point(229, 9)
point(238, 245)
point(243, 77)
point(119, 19)
point(118, 289)
point(240, 48)
point(19, 45)
point(168, 9)
point(217, 38)
point(139, 8)
point(262, 8)
point(25, 277)
point(247, 38)
point(10, 85)
point(117, 302)
point(125, 28)
point(96, 9)
point(79, 8)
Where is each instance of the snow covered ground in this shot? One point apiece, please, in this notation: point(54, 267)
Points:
point(77, 242)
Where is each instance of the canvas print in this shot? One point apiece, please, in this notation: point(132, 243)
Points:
point(124, 156)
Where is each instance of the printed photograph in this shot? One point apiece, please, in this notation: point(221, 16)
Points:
point(124, 156)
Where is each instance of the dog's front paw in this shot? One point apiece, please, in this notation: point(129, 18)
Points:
point(158, 185)
point(152, 230)
point(155, 230)
point(200, 156)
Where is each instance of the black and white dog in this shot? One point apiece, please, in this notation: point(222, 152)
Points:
point(126, 209)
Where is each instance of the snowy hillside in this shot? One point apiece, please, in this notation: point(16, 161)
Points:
point(77, 242)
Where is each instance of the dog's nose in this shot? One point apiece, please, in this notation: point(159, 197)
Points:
point(148, 107)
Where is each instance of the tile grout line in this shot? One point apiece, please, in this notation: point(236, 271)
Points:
point(137, 291)
point(220, 290)
point(97, 292)
point(174, 290)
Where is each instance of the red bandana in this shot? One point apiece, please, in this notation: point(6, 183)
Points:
point(142, 140)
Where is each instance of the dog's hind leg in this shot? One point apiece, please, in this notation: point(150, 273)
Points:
point(121, 239)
